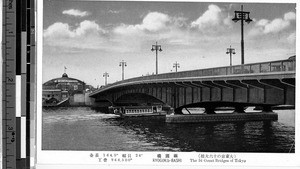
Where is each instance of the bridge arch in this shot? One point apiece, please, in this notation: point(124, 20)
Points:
point(211, 106)
point(257, 83)
point(102, 105)
point(137, 99)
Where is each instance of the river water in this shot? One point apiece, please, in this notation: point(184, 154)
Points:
point(81, 128)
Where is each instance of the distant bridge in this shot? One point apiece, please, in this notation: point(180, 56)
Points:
point(259, 84)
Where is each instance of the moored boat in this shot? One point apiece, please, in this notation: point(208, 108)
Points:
point(52, 102)
point(138, 111)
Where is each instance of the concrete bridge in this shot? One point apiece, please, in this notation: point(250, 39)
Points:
point(259, 84)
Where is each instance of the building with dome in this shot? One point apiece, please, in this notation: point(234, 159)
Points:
point(64, 88)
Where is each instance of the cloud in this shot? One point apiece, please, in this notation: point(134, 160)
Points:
point(171, 30)
point(152, 22)
point(265, 26)
point(58, 30)
point(276, 25)
point(89, 27)
point(76, 12)
point(87, 34)
point(63, 30)
point(154, 26)
point(262, 22)
point(114, 12)
point(290, 16)
point(124, 29)
point(180, 21)
point(292, 38)
point(155, 21)
point(209, 17)
point(212, 18)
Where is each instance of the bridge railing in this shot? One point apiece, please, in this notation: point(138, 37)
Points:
point(253, 68)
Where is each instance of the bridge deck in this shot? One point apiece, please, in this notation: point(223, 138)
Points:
point(275, 69)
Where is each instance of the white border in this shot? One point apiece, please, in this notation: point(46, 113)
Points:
point(80, 159)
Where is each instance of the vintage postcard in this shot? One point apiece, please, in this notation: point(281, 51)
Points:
point(166, 83)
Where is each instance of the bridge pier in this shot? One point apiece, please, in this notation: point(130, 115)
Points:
point(239, 109)
point(214, 118)
point(221, 117)
point(209, 115)
point(209, 110)
point(267, 109)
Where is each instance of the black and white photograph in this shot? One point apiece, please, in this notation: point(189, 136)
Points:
point(168, 77)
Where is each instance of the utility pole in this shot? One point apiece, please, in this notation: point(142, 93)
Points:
point(230, 51)
point(156, 48)
point(105, 75)
point(176, 65)
point(123, 64)
point(241, 15)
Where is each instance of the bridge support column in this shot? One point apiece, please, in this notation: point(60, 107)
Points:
point(209, 110)
point(239, 109)
point(267, 109)
point(178, 111)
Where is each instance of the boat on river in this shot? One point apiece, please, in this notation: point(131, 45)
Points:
point(138, 111)
point(52, 102)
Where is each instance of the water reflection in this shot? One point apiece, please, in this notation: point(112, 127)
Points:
point(208, 137)
point(84, 129)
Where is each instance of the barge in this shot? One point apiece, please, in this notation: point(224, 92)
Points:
point(138, 111)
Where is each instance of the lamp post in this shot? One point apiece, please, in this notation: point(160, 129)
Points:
point(105, 75)
point(156, 48)
point(123, 64)
point(241, 15)
point(176, 65)
point(230, 51)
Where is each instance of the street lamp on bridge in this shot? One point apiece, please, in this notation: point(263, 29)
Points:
point(176, 65)
point(241, 15)
point(123, 64)
point(156, 48)
point(105, 75)
point(230, 51)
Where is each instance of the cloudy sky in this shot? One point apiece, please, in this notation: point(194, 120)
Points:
point(90, 38)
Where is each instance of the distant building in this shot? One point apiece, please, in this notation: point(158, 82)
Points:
point(62, 88)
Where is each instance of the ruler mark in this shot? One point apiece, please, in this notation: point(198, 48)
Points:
point(31, 152)
point(18, 53)
point(9, 49)
point(7, 120)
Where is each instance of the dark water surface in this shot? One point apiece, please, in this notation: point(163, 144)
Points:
point(81, 128)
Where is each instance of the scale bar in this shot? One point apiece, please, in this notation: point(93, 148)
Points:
point(18, 96)
point(23, 137)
